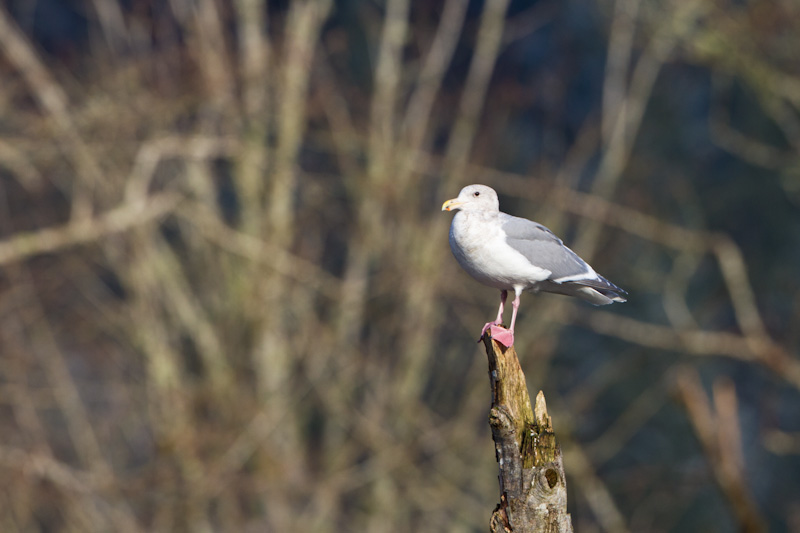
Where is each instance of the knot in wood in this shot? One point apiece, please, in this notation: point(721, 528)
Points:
point(551, 475)
point(500, 420)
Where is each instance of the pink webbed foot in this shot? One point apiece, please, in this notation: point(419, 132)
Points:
point(502, 335)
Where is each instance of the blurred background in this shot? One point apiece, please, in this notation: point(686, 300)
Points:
point(227, 300)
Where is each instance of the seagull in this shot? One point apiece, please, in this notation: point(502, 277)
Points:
point(513, 253)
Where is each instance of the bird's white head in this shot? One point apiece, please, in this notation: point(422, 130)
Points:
point(474, 198)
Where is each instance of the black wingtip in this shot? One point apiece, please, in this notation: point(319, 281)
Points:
point(603, 286)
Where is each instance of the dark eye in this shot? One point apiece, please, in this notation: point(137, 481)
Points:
point(476, 194)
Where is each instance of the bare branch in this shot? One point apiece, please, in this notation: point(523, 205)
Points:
point(122, 218)
point(717, 428)
point(480, 70)
point(253, 248)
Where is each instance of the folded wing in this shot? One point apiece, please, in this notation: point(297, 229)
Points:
point(571, 275)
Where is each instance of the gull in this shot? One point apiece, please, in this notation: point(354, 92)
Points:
point(513, 253)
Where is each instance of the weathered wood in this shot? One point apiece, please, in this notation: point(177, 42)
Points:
point(533, 489)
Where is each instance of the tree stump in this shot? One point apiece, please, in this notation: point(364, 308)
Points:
point(533, 489)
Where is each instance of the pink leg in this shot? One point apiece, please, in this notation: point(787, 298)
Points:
point(499, 320)
point(506, 336)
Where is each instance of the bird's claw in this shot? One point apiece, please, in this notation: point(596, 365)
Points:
point(487, 326)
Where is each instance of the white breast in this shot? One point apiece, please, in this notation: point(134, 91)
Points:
point(479, 245)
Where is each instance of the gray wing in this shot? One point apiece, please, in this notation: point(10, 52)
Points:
point(542, 248)
point(571, 275)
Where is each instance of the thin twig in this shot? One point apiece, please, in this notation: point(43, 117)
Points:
point(122, 218)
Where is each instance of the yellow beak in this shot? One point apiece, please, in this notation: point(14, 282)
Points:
point(449, 205)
